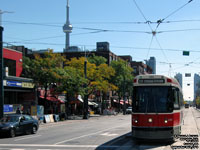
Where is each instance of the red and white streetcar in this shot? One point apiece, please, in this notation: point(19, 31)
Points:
point(157, 107)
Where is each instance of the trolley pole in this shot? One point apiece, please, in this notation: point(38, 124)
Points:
point(85, 109)
point(1, 73)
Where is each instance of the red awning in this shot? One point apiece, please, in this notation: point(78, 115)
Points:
point(53, 99)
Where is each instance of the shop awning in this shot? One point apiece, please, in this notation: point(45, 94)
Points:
point(92, 103)
point(53, 99)
point(80, 98)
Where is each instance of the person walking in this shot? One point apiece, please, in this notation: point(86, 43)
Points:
point(18, 111)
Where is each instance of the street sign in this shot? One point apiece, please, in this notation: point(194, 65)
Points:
point(14, 83)
point(187, 74)
point(186, 53)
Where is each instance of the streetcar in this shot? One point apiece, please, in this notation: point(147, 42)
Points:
point(157, 107)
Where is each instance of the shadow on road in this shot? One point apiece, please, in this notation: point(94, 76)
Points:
point(126, 142)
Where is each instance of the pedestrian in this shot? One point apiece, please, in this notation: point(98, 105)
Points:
point(18, 111)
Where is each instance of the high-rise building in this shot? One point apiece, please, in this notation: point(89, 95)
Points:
point(196, 84)
point(179, 78)
point(152, 63)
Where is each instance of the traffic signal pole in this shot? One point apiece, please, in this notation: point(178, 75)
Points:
point(1, 73)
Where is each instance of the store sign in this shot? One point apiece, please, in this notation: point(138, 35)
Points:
point(27, 85)
point(7, 108)
point(14, 83)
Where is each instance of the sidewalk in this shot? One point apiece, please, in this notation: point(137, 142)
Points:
point(76, 117)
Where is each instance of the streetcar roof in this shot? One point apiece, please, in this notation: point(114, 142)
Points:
point(155, 80)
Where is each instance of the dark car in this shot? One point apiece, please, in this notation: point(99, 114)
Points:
point(13, 124)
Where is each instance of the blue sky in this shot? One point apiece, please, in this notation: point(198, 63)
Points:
point(37, 24)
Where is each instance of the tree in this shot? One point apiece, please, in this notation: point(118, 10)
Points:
point(97, 60)
point(197, 101)
point(123, 78)
point(70, 81)
point(97, 76)
point(43, 69)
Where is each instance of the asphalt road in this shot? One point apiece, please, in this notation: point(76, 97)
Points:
point(98, 133)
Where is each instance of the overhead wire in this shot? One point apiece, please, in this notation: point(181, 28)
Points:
point(121, 22)
point(158, 23)
point(149, 47)
point(147, 21)
point(161, 20)
point(177, 10)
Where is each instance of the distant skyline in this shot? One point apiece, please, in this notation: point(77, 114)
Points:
point(140, 28)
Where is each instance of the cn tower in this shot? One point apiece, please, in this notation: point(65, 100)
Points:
point(67, 29)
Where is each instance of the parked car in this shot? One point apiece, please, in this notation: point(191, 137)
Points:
point(13, 124)
point(129, 110)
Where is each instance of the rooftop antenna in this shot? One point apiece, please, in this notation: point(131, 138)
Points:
point(67, 28)
point(2, 12)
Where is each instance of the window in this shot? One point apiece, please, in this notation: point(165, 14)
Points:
point(27, 118)
point(152, 99)
point(176, 98)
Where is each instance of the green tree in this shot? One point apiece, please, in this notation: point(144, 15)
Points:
point(43, 69)
point(123, 78)
point(70, 81)
point(97, 60)
point(197, 101)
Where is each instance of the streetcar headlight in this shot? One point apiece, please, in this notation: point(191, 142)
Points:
point(136, 121)
point(166, 120)
point(150, 120)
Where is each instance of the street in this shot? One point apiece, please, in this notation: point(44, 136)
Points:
point(97, 133)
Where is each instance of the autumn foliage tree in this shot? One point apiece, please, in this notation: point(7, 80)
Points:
point(97, 76)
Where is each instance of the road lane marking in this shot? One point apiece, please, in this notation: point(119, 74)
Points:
point(19, 139)
point(88, 135)
point(109, 134)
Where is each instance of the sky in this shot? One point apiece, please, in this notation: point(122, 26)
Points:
point(128, 25)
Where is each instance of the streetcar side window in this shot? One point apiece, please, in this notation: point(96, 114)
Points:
point(176, 98)
point(181, 100)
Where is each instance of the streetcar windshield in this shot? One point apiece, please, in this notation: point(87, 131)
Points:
point(152, 99)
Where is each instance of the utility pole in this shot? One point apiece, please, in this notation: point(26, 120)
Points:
point(1, 73)
point(85, 109)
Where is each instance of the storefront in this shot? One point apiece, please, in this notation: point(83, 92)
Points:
point(19, 91)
